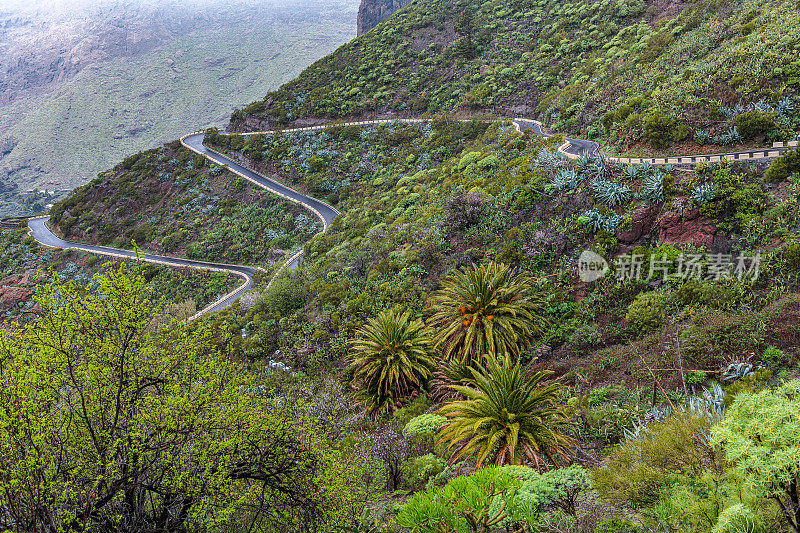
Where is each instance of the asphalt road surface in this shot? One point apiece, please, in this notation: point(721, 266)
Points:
point(39, 230)
point(323, 211)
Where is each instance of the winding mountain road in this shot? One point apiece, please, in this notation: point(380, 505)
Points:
point(572, 148)
point(37, 227)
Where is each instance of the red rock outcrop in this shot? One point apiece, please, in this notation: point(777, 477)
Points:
point(642, 222)
point(687, 227)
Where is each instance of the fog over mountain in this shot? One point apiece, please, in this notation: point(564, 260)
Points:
point(84, 83)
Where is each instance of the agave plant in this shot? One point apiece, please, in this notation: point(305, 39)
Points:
point(611, 193)
point(593, 219)
point(653, 189)
point(631, 172)
point(565, 179)
point(582, 163)
point(711, 402)
point(611, 222)
point(596, 168)
point(702, 137)
point(702, 194)
point(730, 137)
point(640, 427)
point(507, 418)
point(486, 310)
point(547, 160)
point(597, 221)
point(644, 168)
point(736, 371)
point(390, 359)
point(785, 106)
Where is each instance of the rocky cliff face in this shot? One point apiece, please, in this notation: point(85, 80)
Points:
point(372, 12)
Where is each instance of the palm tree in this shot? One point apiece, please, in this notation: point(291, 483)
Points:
point(447, 375)
point(391, 360)
point(507, 418)
point(486, 310)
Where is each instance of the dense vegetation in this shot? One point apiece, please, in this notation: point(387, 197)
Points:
point(423, 204)
point(185, 440)
point(442, 361)
point(622, 71)
point(181, 292)
point(172, 201)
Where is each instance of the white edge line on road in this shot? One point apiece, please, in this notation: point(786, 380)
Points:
point(221, 267)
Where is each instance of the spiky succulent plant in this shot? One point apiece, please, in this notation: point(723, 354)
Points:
point(653, 189)
point(611, 193)
point(565, 180)
point(598, 221)
point(702, 194)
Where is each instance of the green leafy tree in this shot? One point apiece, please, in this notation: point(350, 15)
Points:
point(486, 310)
point(465, 26)
point(391, 360)
point(507, 418)
point(477, 503)
point(108, 422)
point(761, 436)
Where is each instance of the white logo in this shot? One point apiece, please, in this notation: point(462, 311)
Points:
point(591, 266)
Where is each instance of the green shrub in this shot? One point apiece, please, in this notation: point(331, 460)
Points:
point(412, 411)
point(616, 525)
point(752, 382)
point(638, 469)
point(559, 487)
point(659, 128)
point(484, 499)
point(92, 260)
point(426, 423)
point(772, 356)
point(754, 123)
point(783, 166)
point(791, 256)
point(761, 437)
point(712, 336)
point(284, 297)
point(316, 164)
point(695, 377)
point(418, 470)
point(735, 519)
point(647, 311)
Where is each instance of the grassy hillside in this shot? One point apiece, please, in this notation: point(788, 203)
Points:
point(171, 201)
point(663, 376)
point(624, 71)
point(126, 104)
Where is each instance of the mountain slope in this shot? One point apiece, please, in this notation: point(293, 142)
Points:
point(62, 132)
point(598, 68)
